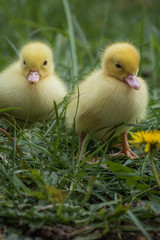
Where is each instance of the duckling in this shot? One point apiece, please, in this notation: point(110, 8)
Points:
point(110, 96)
point(31, 84)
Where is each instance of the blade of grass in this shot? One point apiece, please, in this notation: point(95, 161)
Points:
point(83, 38)
point(71, 38)
point(139, 224)
point(13, 46)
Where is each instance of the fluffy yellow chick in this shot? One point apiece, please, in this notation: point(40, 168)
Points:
point(110, 96)
point(31, 84)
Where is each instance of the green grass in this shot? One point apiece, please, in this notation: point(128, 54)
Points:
point(48, 194)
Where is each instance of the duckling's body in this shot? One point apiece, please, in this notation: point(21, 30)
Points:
point(31, 85)
point(102, 105)
point(106, 100)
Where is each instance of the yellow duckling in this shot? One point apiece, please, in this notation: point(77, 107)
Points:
point(110, 96)
point(31, 84)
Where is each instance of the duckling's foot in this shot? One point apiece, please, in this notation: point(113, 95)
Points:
point(127, 151)
point(125, 148)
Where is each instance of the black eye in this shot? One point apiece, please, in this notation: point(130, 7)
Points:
point(118, 65)
point(45, 63)
point(24, 62)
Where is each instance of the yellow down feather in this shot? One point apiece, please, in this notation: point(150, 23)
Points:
point(104, 99)
point(35, 99)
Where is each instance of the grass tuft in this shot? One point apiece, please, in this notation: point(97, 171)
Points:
point(46, 193)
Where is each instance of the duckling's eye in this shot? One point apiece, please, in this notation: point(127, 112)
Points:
point(45, 63)
point(24, 62)
point(118, 65)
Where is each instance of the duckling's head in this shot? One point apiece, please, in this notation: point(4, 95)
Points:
point(121, 61)
point(36, 61)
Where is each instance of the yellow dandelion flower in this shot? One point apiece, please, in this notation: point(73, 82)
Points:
point(151, 140)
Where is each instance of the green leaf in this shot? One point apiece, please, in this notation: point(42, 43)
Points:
point(50, 192)
point(37, 148)
point(123, 172)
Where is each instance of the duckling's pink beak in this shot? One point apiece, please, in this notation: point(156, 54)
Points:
point(33, 77)
point(132, 81)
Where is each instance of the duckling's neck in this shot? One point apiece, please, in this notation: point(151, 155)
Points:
point(108, 74)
